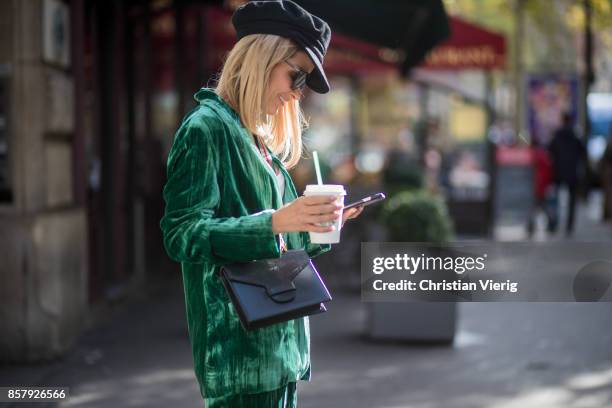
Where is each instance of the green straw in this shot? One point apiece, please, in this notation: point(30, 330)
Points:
point(315, 156)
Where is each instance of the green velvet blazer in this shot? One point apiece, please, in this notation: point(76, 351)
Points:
point(220, 195)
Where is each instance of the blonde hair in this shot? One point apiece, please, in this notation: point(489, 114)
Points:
point(242, 84)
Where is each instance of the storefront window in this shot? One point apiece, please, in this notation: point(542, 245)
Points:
point(329, 132)
point(469, 176)
point(390, 110)
point(329, 118)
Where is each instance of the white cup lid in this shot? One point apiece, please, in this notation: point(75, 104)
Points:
point(325, 188)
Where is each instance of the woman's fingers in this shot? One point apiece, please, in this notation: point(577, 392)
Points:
point(318, 200)
point(303, 213)
point(321, 209)
point(318, 228)
point(347, 214)
point(313, 219)
point(357, 212)
point(351, 213)
point(307, 213)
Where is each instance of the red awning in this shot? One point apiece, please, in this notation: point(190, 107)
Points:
point(347, 55)
point(469, 47)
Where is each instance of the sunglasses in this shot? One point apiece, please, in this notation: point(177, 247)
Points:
point(298, 77)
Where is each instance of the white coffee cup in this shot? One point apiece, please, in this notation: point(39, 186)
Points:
point(332, 237)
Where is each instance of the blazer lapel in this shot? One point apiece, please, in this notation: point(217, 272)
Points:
point(278, 196)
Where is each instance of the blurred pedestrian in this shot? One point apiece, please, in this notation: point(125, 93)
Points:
point(229, 198)
point(544, 194)
point(605, 166)
point(569, 161)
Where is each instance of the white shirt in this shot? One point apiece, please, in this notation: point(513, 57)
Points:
point(281, 182)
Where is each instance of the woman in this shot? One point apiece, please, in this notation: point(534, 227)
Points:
point(229, 198)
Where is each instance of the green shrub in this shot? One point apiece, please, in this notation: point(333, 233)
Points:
point(417, 216)
point(402, 173)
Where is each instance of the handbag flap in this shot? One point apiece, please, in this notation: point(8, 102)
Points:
point(275, 275)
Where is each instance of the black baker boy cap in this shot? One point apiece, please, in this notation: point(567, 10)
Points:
point(286, 19)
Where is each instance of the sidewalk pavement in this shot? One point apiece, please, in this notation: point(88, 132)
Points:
point(505, 355)
point(587, 224)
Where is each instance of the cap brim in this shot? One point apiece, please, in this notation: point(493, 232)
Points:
point(316, 80)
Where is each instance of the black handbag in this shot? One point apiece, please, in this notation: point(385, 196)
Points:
point(270, 291)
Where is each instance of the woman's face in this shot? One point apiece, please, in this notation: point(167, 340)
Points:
point(279, 88)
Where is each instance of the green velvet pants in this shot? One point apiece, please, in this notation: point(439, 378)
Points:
point(285, 397)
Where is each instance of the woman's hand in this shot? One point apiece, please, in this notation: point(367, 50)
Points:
point(303, 213)
point(351, 213)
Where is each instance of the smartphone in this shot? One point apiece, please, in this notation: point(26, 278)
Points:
point(366, 201)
